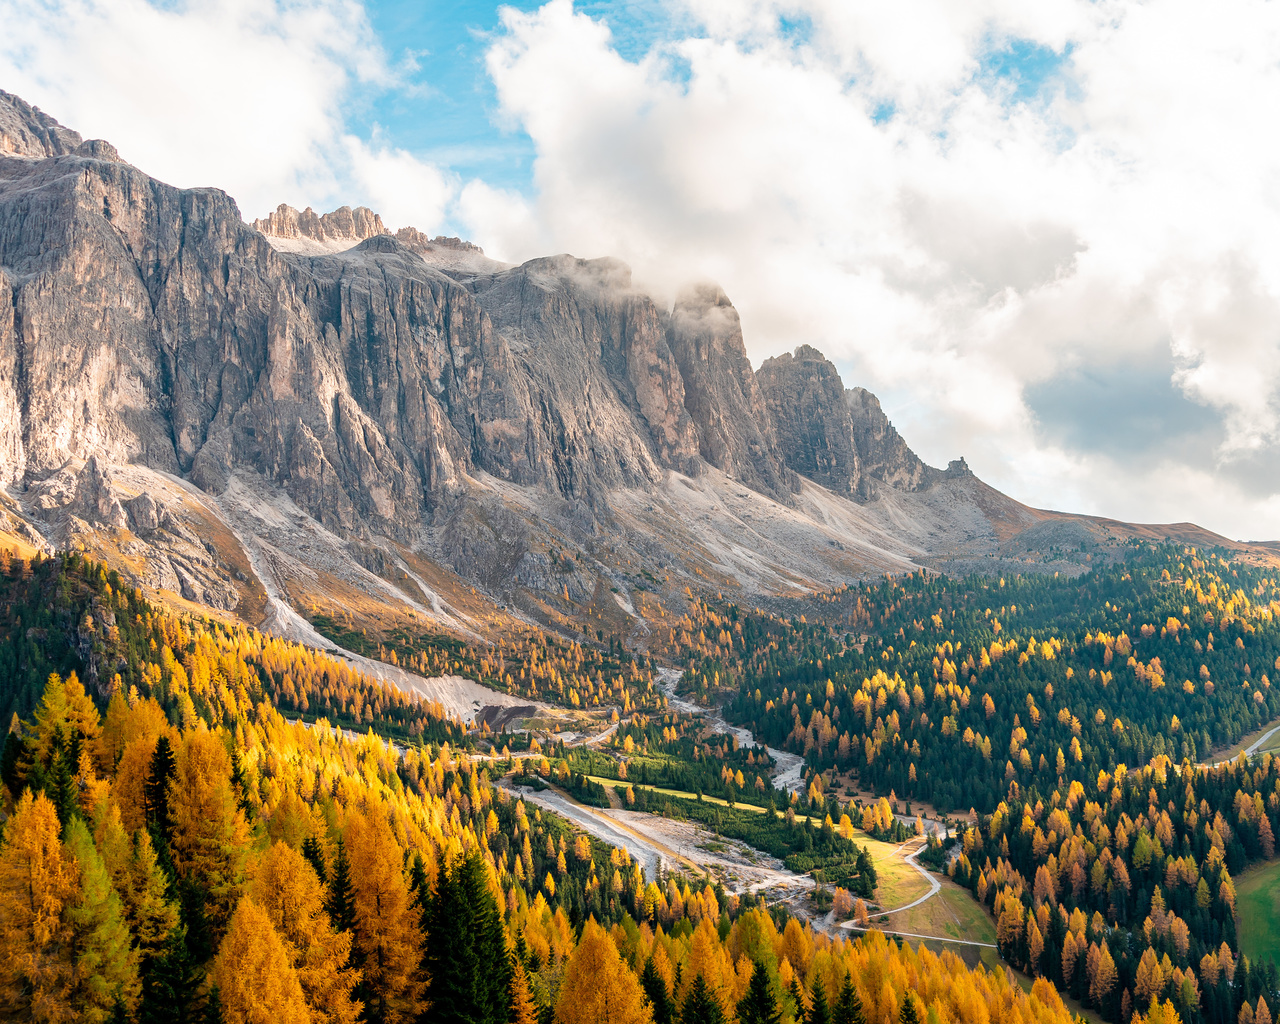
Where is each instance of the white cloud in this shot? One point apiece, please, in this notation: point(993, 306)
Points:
point(965, 250)
point(246, 96)
point(964, 256)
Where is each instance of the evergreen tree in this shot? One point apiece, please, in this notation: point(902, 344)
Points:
point(164, 766)
point(12, 760)
point(848, 1008)
point(212, 1007)
point(758, 1006)
point(908, 1014)
point(818, 1012)
point(341, 900)
point(700, 1006)
point(61, 784)
point(171, 985)
point(314, 852)
point(655, 989)
point(465, 952)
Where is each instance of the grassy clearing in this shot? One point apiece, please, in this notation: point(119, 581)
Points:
point(898, 883)
point(1258, 903)
point(953, 913)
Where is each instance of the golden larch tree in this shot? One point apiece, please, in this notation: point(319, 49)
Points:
point(598, 988)
point(256, 981)
point(38, 883)
point(286, 887)
point(388, 936)
point(210, 836)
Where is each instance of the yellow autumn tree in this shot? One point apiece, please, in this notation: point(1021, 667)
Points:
point(137, 876)
point(256, 981)
point(65, 709)
point(386, 926)
point(210, 836)
point(286, 887)
point(523, 1008)
point(598, 988)
point(106, 964)
point(129, 791)
point(1159, 1013)
point(38, 884)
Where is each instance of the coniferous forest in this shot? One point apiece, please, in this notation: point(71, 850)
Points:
point(193, 832)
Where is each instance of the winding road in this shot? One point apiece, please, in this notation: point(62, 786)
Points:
point(1251, 749)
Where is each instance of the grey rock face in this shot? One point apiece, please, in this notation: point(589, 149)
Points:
point(28, 131)
point(343, 224)
point(143, 323)
point(735, 431)
point(884, 454)
point(837, 438)
point(806, 400)
point(603, 400)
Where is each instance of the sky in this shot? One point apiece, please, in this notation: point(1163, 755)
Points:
point(1047, 235)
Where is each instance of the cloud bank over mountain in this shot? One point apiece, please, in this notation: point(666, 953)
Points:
point(1045, 234)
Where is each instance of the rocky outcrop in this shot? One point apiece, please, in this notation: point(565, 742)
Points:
point(837, 438)
point(806, 402)
point(28, 131)
point(603, 398)
point(884, 455)
point(341, 225)
point(735, 431)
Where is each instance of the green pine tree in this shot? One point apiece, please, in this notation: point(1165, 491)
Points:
point(341, 899)
point(700, 1006)
point(908, 1014)
point(656, 991)
point(164, 766)
point(171, 985)
point(759, 1005)
point(314, 852)
point(465, 955)
point(60, 782)
point(848, 1008)
point(212, 1007)
point(818, 1012)
point(12, 762)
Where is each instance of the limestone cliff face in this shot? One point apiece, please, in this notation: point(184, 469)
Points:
point(342, 225)
point(140, 323)
point(837, 438)
point(806, 400)
point(735, 431)
point(885, 455)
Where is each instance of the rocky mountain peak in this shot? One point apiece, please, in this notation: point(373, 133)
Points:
point(735, 430)
point(343, 226)
point(805, 397)
point(27, 131)
point(885, 455)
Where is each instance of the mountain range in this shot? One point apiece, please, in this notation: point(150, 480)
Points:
point(312, 415)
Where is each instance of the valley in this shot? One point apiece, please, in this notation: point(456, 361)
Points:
point(393, 634)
